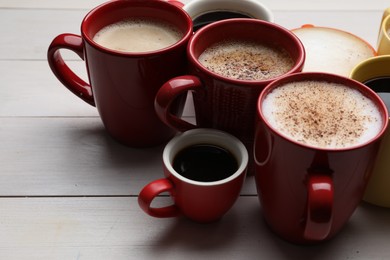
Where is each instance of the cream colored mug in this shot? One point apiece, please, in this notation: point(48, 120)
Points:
point(375, 73)
point(384, 34)
point(332, 50)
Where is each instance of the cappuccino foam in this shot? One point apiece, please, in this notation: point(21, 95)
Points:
point(246, 60)
point(136, 35)
point(322, 114)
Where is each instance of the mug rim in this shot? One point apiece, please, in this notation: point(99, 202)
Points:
point(197, 8)
point(298, 63)
point(368, 62)
point(328, 77)
point(153, 4)
point(356, 37)
point(385, 26)
point(210, 136)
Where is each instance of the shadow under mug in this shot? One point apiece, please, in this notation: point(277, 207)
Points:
point(198, 200)
point(371, 70)
point(220, 102)
point(308, 193)
point(122, 85)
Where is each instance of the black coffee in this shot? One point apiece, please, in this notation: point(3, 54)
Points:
point(205, 163)
point(207, 18)
point(381, 86)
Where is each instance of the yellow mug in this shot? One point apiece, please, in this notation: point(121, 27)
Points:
point(384, 34)
point(375, 73)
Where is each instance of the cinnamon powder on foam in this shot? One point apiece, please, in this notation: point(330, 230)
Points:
point(322, 114)
point(245, 60)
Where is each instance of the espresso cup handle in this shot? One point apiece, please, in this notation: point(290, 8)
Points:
point(152, 190)
point(166, 96)
point(64, 74)
point(319, 206)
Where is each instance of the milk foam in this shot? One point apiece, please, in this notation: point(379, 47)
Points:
point(322, 114)
point(246, 60)
point(137, 35)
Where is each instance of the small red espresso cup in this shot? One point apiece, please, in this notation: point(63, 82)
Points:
point(229, 103)
point(204, 172)
point(316, 140)
point(123, 83)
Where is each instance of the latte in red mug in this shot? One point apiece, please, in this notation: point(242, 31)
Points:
point(138, 35)
point(222, 102)
point(245, 60)
point(317, 136)
point(322, 114)
point(122, 84)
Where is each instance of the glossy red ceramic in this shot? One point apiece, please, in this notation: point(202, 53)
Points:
point(123, 85)
point(308, 194)
point(220, 102)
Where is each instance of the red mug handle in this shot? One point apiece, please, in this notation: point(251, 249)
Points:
point(152, 190)
point(166, 96)
point(64, 74)
point(319, 207)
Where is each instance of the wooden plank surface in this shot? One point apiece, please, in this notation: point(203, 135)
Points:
point(44, 25)
point(115, 228)
point(73, 157)
point(68, 191)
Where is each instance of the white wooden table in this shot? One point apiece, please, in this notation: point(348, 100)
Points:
point(68, 191)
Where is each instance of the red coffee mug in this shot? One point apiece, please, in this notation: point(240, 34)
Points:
point(220, 102)
point(307, 193)
point(198, 200)
point(123, 85)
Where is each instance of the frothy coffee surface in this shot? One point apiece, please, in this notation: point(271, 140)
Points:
point(136, 35)
point(322, 114)
point(246, 60)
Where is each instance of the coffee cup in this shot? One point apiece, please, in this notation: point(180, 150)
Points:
point(332, 50)
point(384, 34)
point(125, 73)
point(204, 172)
point(317, 137)
point(254, 52)
point(204, 12)
point(375, 73)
